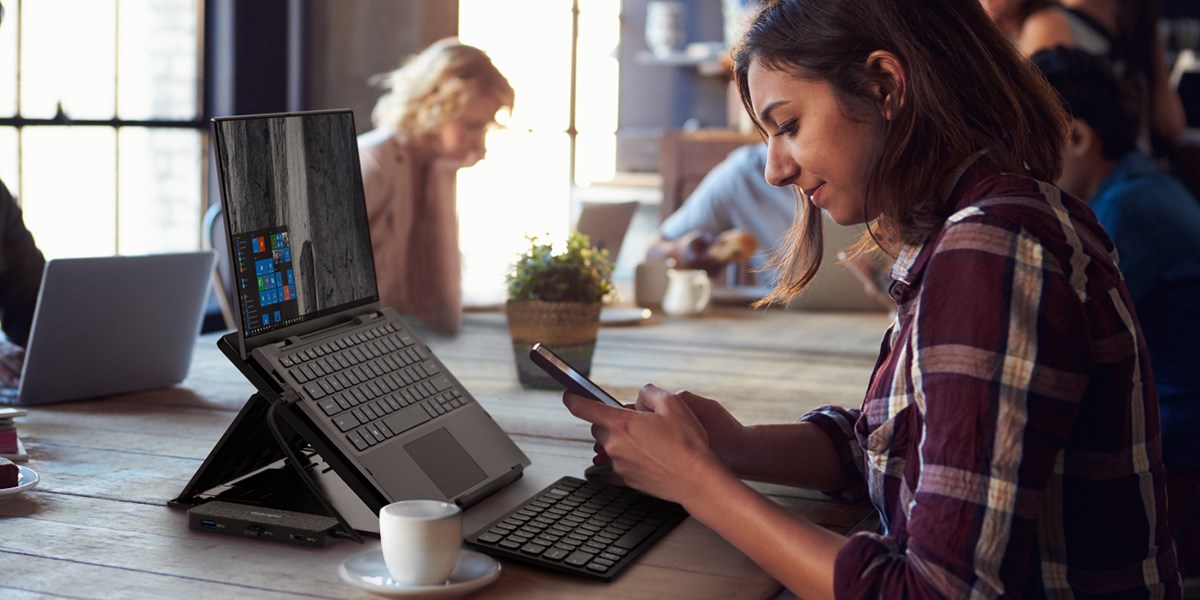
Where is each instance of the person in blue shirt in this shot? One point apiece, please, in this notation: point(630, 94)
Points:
point(1154, 223)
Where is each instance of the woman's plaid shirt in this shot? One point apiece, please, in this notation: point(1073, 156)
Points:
point(1009, 436)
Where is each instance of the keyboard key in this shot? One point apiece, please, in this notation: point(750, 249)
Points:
point(532, 548)
point(555, 554)
point(346, 421)
point(373, 429)
point(579, 558)
point(357, 440)
point(329, 406)
point(402, 421)
point(489, 538)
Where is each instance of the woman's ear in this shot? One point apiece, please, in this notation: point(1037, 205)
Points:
point(890, 80)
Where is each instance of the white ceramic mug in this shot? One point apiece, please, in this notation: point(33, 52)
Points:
point(688, 292)
point(650, 283)
point(421, 540)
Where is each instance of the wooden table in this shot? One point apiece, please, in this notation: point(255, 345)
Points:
point(98, 526)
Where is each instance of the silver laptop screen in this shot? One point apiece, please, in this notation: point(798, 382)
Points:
point(293, 202)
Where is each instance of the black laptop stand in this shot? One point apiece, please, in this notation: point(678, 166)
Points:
point(269, 457)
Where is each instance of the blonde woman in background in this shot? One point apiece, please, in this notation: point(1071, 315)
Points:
point(431, 122)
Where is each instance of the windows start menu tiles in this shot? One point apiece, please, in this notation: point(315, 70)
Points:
point(268, 282)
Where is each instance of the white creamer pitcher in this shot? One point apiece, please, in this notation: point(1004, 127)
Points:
point(688, 292)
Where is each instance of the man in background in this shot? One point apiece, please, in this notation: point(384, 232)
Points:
point(730, 215)
point(734, 215)
point(1154, 223)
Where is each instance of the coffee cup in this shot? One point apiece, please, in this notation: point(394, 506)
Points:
point(421, 540)
point(650, 284)
point(688, 292)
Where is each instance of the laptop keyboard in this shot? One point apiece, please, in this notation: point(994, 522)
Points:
point(581, 527)
point(374, 385)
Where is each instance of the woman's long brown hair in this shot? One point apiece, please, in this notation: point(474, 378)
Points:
point(967, 89)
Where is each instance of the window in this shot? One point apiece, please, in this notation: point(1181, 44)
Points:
point(101, 135)
point(562, 130)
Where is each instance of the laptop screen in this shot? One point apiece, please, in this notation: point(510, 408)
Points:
point(294, 208)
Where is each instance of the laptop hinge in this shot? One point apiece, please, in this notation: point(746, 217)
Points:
point(357, 321)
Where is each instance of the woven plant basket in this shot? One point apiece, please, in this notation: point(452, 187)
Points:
point(567, 328)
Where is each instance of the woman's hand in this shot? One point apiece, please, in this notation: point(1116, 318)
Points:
point(662, 447)
point(726, 435)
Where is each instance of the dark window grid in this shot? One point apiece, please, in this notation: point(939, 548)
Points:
point(194, 124)
point(61, 120)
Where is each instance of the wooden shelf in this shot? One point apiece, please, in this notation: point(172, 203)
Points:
point(709, 65)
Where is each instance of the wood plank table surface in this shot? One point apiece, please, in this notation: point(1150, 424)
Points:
point(97, 525)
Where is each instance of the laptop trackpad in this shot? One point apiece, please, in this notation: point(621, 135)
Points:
point(445, 462)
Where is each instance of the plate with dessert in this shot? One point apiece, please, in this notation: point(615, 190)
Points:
point(15, 479)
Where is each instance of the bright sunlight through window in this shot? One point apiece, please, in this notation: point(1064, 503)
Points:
point(524, 187)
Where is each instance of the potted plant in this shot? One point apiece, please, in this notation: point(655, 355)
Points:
point(555, 298)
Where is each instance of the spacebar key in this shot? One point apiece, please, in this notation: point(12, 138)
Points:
point(406, 419)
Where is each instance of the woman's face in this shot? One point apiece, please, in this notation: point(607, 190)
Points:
point(461, 140)
point(813, 144)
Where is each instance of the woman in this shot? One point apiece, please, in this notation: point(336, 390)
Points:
point(1012, 392)
point(430, 123)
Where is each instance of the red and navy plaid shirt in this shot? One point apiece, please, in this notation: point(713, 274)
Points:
point(1009, 436)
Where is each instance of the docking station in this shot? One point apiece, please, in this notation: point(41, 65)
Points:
point(244, 520)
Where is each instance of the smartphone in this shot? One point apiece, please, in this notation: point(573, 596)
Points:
point(564, 373)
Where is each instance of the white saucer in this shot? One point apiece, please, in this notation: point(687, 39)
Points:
point(367, 570)
point(27, 479)
point(621, 315)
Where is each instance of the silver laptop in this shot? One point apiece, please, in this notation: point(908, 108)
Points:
point(366, 392)
point(113, 324)
point(834, 289)
point(605, 224)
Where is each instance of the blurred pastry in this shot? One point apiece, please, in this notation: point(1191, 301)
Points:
point(734, 245)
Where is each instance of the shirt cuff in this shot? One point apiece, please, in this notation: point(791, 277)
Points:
point(837, 424)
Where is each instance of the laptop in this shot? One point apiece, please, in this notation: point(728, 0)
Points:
point(835, 288)
point(605, 224)
point(113, 324)
point(352, 377)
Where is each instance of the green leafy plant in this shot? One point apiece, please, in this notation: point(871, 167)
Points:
point(580, 273)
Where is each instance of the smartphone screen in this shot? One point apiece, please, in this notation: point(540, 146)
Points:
point(571, 379)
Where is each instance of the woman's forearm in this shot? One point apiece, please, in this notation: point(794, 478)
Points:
point(797, 454)
point(791, 549)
